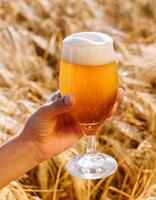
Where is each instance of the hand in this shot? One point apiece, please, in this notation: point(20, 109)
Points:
point(48, 132)
point(52, 129)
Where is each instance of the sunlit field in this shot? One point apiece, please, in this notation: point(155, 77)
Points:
point(31, 34)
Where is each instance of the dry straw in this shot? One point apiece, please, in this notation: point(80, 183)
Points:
point(31, 34)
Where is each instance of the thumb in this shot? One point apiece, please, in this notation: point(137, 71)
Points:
point(60, 106)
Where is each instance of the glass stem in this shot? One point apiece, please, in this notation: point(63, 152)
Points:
point(91, 144)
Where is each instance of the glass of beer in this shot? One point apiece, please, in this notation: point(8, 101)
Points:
point(88, 71)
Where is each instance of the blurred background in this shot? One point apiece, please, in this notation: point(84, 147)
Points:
point(31, 34)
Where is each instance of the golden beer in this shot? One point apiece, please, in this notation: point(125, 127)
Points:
point(94, 90)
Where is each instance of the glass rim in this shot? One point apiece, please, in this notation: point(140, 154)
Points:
point(108, 40)
point(91, 46)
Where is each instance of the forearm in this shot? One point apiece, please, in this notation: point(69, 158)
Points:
point(17, 156)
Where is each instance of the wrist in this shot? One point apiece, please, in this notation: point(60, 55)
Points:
point(17, 156)
point(32, 148)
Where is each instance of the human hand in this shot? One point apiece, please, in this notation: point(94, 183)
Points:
point(52, 129)
point(48, 132)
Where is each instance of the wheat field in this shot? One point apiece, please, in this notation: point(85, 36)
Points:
point(31, 34)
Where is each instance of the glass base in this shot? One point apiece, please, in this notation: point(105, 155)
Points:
point(92, 166)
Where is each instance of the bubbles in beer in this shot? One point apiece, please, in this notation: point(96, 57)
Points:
point(88, 48)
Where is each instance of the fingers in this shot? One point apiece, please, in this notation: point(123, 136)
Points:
point(119, 97)
point(60, 105)
point(54, 96)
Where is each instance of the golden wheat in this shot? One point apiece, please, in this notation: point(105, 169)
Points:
point(31, 34)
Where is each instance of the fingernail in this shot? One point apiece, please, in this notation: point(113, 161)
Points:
point(122, 89)
point(68, 99)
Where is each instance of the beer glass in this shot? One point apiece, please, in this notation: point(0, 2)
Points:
point(88, 71)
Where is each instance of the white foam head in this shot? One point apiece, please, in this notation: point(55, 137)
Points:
point(88, 48)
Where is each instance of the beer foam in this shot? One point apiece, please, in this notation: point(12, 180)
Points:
point(88, 48)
